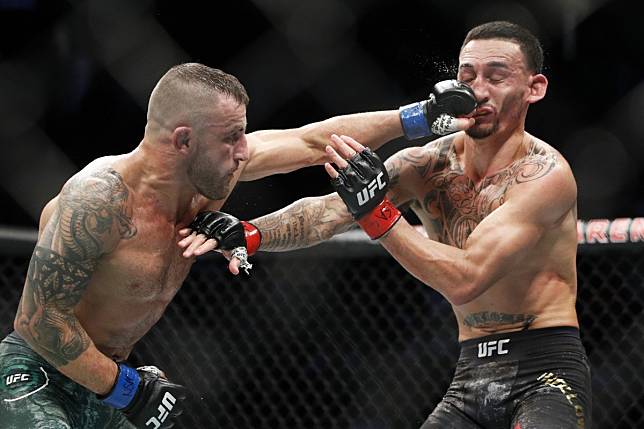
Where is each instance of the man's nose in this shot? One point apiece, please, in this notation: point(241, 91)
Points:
point(481, 89)
point(241, 149)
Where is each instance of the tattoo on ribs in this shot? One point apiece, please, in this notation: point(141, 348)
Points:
point(90, 213)
point(492, 319)
point(458, 204)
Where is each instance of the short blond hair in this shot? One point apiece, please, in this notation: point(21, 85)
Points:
point(186, 89)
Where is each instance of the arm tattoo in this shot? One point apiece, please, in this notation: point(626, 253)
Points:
point(303, 224)
point(411, 159)
point(92, 214)
point(492, 319)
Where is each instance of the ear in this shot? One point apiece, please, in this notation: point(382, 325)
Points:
point(182, 139)
point(538, 86)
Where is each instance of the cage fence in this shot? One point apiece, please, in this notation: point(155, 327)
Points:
point(340, 336)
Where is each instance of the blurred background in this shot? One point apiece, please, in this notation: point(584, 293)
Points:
point(75, 77)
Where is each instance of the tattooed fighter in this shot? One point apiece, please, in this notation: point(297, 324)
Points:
point(499, 209)
point(106, 263)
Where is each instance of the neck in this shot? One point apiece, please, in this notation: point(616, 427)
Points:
point(160, 180)
point(484, 157)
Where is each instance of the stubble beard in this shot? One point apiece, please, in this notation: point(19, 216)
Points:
point(478, 133)
point(211, 187)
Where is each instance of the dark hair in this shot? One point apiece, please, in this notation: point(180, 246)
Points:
point(527, 42)
point(222, 82)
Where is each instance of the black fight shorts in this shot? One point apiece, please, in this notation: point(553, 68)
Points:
point(534, 379)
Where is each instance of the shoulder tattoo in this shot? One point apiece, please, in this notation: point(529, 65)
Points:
point(91, 211)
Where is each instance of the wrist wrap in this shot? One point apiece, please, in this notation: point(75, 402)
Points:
point(414, 120)
point(380, 220)
point(253, 237)
point(124, 389)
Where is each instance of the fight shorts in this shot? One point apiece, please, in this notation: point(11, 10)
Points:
point(34, 395)
point(522, 380)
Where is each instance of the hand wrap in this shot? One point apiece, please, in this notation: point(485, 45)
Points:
point(147, 398)
point(449, 98)
point(363, 187)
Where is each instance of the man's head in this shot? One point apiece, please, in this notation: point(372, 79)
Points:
point(201, 113)
point(502, 63)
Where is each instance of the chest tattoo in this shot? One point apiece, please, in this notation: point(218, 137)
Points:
point(456, 205)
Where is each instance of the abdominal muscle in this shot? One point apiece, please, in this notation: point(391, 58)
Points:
point(126, 297)
point(516, 303)
point(115, 327)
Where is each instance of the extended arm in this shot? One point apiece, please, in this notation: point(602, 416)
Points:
point(308, 221)
point(304, 223)
point(90, 218)
point(283, 151)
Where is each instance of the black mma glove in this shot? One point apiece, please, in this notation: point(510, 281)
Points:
point(363, 186)
point(449, 98)
point(229, 231)
point(146, 398)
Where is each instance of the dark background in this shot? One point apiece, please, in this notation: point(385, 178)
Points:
point(323, 342)
point(75, 77)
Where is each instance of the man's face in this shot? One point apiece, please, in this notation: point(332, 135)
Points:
point(496, 71)
point(220, 147)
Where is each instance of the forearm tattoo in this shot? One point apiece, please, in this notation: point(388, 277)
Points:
point(492, 319)
point(304, 223)
point(92, 214)
point(457, 203)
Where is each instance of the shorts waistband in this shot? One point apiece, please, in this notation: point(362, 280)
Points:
point(15, 339)
point(514, 345)
point(14, 345)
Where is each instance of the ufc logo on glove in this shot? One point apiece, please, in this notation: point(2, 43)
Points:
point(369, 191)
point(167, 403)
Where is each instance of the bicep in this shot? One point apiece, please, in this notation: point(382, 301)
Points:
point(509, 234)
point(499, 242)
point(277, 152)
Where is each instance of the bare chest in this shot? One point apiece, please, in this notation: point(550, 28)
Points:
point(146, 267)
point(451, 205)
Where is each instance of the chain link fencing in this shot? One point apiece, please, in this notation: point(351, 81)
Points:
point(340, 336)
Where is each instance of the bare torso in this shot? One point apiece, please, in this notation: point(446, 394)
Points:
point(132, 284)
point(541, 290)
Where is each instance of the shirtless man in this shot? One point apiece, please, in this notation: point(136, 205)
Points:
point(106, 263)
point(499, 209)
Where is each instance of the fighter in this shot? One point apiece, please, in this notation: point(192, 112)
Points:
point(106, 263)
point(499, 209)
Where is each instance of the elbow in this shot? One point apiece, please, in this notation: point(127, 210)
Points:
point(473, 280)
point(22, 329)
point(461, 296)
point(467, 292)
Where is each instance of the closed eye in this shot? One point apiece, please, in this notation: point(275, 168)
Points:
point(233, 138)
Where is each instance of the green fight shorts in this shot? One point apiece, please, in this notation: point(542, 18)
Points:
point(34, 395)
